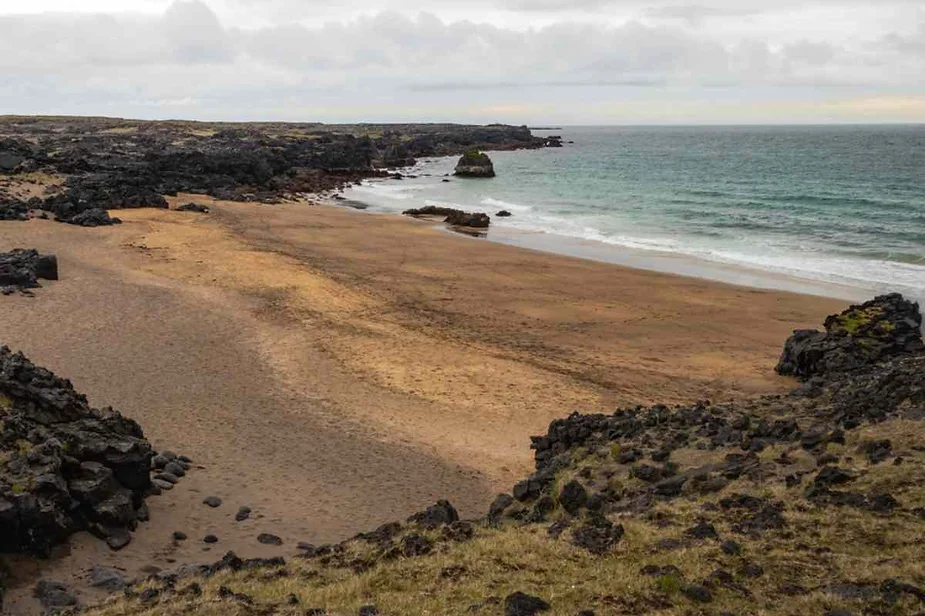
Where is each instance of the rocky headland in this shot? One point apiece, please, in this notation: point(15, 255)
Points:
point(76, 170)
point(809, 502)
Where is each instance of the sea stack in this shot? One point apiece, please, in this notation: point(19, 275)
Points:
point(475, 164)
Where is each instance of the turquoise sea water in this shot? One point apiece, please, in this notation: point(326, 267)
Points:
point(840, 205)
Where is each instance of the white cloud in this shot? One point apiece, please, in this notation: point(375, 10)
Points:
point(190, 59)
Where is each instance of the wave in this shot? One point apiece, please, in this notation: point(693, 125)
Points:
point(505, 205)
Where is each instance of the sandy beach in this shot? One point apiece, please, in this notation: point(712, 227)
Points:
point(335, 370)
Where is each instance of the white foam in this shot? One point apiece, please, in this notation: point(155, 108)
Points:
point(505, 205)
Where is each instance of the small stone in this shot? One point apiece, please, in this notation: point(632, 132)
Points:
point(212, 501)
point(159, 462)
point(368, 610)
point(179, 535)
point(696, 592)
point(415, 545)
point(573, 497)
point(292, 599)
point(210, 539)
point(185, 459)
point(107, 579)
point(268, 539)
point(242, 514)
point(118, 539)
point(731, 548)
point(168, 477)
point(161, 484)
point(53, 595)
point(703, 530)
point(521, 604)
point(175, 469)
point(169, 455)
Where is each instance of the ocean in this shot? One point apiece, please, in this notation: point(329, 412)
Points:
point(829, 210)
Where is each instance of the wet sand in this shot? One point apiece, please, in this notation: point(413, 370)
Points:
point(335, 370)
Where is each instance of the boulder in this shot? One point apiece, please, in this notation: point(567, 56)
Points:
point(475, 164)
point(66, 466)
point(885, 327)
point(94, 217)
point(478, 220)
point(21, 269)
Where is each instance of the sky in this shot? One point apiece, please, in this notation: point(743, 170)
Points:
point(513, 61)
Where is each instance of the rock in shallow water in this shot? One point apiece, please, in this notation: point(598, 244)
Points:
point(475, 164)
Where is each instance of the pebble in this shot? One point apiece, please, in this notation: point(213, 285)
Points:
point(179, 535)
point(159, 462)
point(53, 595)
point(210, 539)
point(268, 539)
point(185, 459)
point(242, 514)
point(163, 485)
point(107, 579)
point(168, 477)
point(175, 469)
point(213, 501)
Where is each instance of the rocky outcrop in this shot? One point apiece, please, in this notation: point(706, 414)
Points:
point(478, 220)
point(452, 216)
point(64, 466)
point(475, 164)
point(887, 326)
point(141, 162)
point(21, 270)
point(93, 217)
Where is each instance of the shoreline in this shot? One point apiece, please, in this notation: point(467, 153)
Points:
point(673, 262)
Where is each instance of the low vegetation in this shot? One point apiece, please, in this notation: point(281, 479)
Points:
point(810, 503)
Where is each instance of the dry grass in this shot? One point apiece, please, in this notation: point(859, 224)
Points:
point(802, 566)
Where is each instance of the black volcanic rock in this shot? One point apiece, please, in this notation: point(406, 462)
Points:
point(21, 269)
point(452, 216)
point(193, 207)
point(522, 604)
point(478, 220)
point(475, 164)
point(94, 217)
point(884, 327)
point(67, 467)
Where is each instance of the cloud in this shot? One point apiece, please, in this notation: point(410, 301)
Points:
point(186, 60)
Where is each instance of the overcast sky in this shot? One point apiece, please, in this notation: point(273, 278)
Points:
point(520, 61)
